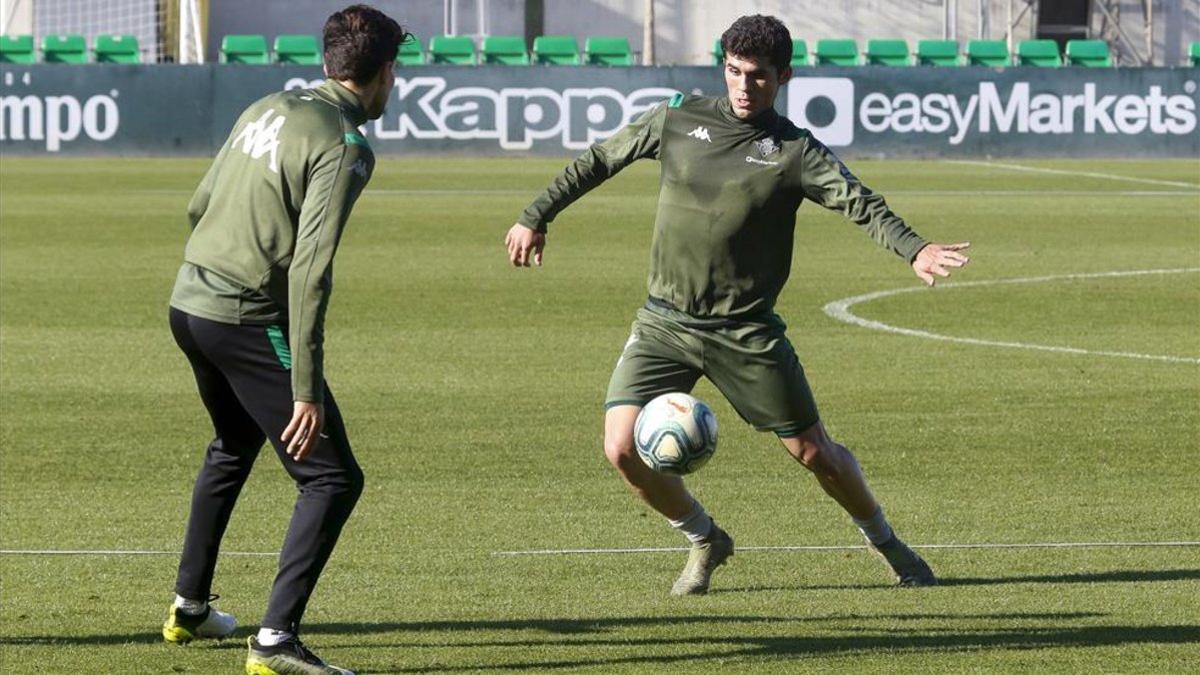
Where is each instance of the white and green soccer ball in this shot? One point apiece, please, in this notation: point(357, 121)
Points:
point(676, 434)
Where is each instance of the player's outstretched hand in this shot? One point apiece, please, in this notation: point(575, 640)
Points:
point(935, 258)
point(524, 246)
point(308, 421)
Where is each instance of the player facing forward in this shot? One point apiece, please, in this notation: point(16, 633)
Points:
point(733, 173)
point(248, 310)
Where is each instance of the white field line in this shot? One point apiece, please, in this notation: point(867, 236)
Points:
point(400, 192)
point(1064, 172)
point(376, 191)
point(13, 551)
point(599, 551)
point(931, 193)
point(1044, 193)
point(445, 191)
point(857, 547)
point(840, 310)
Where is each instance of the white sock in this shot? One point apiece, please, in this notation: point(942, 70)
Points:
point(696, 525)
point(269, 637)
point(190, 606)
point(876, 528)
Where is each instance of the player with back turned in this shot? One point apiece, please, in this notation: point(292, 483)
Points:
point(733, 174)
point(248, 311)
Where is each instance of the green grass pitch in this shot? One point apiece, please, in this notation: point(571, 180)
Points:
point(473, 396)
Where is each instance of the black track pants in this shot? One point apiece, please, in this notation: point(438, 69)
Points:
point(248, 394)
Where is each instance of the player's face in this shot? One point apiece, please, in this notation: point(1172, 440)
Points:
point(752, 84)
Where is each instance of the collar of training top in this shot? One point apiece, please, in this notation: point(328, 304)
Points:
point(763, 120)
point(346, 100)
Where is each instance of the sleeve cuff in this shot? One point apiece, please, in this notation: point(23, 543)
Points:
point(308, 394)
point(525, 221)
point(914, 250)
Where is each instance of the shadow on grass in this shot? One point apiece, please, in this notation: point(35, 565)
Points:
point(573, 626)
point(238, 640)
point(602, 625)
point(713, 641)
point(78, 640)
point(1117, 576)
point(723, 650)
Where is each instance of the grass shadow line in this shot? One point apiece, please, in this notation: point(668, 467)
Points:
point(807, 647)
point(1115, 576)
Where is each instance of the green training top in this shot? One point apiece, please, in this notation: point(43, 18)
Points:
point(267, 218)
point(728, 195)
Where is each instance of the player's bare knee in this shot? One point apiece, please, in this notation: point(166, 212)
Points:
point(807, 453)
point(619, 451)
point(823, 456)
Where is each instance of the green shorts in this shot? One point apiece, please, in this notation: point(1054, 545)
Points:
point(752, 363)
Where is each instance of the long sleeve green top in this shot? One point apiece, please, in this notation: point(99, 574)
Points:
point(728, 196)
point(267, 218)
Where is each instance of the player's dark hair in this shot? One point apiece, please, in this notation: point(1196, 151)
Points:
point(359, 40)
point(761, 38)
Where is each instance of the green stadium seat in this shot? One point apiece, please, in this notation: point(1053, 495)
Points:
point(888, 53)
point(458, 50)
point(1194, 54)
point(507, 50)
point(799, 53)
point(938, 53)
point(836, 53)
point(248, 49)
point(64, 49)
point(17, 49)
point(556, 50)
point(411, 52)
point(304, 50)
point(1040, 53)
point(718, 54)
point(988, 53)
point(607, 51)
point(1090, 53)
point(117, 49)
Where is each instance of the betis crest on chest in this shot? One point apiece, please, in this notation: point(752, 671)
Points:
point(767, 146)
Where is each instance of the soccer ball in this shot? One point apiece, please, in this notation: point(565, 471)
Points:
point(676, 434)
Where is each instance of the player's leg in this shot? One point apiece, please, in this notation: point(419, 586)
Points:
point(227, 464)
point(329, 482)
point(755, 366)
point(836, 469)
point(660, 358)
point(661, 492)
point(839, 474)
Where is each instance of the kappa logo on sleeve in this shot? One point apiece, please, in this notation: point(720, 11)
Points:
point(261, 137)
point(360, 167)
